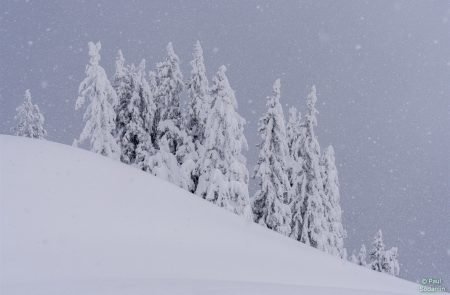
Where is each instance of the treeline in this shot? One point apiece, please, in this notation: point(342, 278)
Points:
point(137, 117)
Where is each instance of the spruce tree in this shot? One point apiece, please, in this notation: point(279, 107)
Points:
point(271, 201)
point(99, 115)
point(30, 121)
point(223, 173)
point(314, 230)
point(332, 208)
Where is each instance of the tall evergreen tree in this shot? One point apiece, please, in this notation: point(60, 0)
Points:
point(169, 85)
point(332, 208)
point(30, 121)
point(271, 201)
point(135, 113)
point(295, 132)
point(224, 176)
point(198, 107)
point(314, 231)
point(124, 86)
point(99, 115)
point(199, 100)
point(174, 160)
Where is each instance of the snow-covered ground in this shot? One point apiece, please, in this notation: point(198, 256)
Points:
point(73, 222)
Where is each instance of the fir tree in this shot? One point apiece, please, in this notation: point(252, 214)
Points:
point(391, 264)
point(332, 208)
point(199, 100)
point(295, 133)
point(99, 115)
point(223, 173)
point(377, 254)
point(382, 260)
point(198, 107)
point(169, 85)
point(314, 230)
point(124, 86)
point(176, 155)
point(135, 113)
point(271, 201)
point(362, 256)
point(30, 121)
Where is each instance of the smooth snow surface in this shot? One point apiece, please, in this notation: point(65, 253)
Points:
point(73, 222)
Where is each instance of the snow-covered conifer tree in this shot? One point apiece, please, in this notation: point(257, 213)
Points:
point(314, 230)
point(383, 260)
point(169, 85)
point(135, 113)
point(391, 265)
point(223, 173)
point(175, 158)
point(295, 133)
point(332, 208)
point(199, 101)
point(377, 254)
point(30, 121)
point(271, 201)
point(124, 85)
point(362, 256)
point(199, 105)
point(99, 115)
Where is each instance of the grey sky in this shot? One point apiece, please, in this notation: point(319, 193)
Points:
point(382, 70)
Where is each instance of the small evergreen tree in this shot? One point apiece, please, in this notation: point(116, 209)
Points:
point(223, 173)
point(314, 231)
point(99, 115)
point(391, 264)
point(30, 121)
point(377, 254)
point(271, 201)
point(332, 208)
point(362, 256)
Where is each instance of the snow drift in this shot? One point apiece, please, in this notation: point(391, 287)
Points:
point(73, 222)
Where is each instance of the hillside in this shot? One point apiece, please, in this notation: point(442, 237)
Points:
point(73, 222)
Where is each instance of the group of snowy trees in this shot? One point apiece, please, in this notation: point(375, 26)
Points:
point(380, 259)
point(298, 187)
point(138, 119)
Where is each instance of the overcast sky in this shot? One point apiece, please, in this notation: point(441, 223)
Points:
point(382, 71)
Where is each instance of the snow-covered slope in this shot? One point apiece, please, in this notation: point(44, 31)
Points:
point(73, 222)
